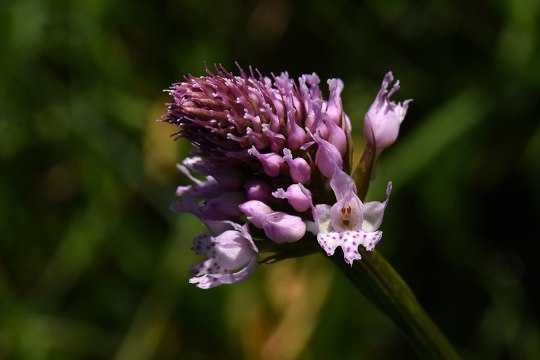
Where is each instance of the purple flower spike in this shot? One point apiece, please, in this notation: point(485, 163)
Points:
point(384, 117)
point(297, 135)
point(261, 144)
point(231, 257)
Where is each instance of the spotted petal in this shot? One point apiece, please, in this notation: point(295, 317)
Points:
point(202, 245)
point(230, 257)
point(208, 281)
point(348, 241)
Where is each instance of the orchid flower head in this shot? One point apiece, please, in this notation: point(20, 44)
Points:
point(263, 149)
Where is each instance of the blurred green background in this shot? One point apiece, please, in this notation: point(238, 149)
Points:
point(93, 265)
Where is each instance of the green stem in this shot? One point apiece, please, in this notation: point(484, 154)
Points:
point(363, 171)
point(383, 286)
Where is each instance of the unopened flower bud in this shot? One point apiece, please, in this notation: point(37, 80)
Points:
point(382, 121)
point(277, 141)
point(295, 196)
point(327, 158)
point(278, 226)
point(337, 136)
point(281, 227)
point(299, 168)
point(252, 207)
point(334, 109)
point(271, 162)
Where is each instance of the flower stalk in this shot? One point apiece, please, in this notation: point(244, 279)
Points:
point(377, 280)
point(381, 284)
point(363, 171)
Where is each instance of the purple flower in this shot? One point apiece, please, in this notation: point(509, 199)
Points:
point(382, 121)
point(231, 257)
point(348, 223)
point(255, 136)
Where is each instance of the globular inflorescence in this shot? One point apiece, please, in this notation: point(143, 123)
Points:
point(270, 166)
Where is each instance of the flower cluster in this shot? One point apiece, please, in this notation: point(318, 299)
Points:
point(264, 152)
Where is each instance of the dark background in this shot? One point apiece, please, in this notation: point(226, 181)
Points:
point(93, 265)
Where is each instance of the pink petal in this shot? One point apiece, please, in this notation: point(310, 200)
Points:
point(349, 242)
